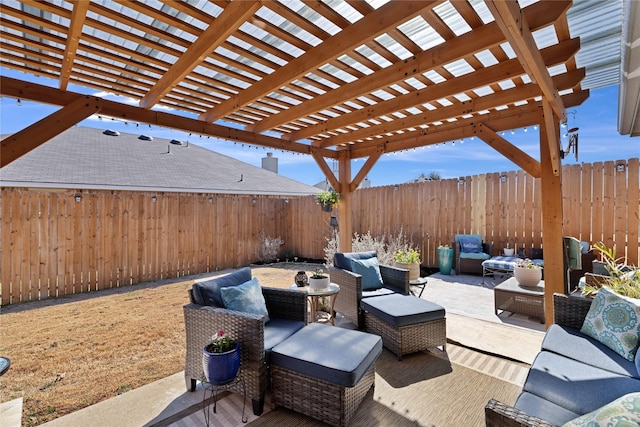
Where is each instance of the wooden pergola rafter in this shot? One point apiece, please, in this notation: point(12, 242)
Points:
point(341, 81)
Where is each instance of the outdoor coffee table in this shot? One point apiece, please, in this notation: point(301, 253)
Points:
point(314, 297)
point(512, 297)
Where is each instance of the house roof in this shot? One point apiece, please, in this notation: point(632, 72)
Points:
point(84, 157)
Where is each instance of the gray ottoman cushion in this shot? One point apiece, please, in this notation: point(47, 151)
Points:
point(278, 330)
point(402, 310)
point(336, 355)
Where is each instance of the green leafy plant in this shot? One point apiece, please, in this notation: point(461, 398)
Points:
point(527, 263)
point(622, 279)
point(328, 197)
point(221, 343)
point(409, 256)
point(319, 274)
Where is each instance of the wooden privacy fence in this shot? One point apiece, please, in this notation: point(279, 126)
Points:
point(56, 243)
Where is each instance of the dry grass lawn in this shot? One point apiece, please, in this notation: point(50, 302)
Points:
point(73, 352)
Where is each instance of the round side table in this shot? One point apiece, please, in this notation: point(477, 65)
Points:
point(315, 295)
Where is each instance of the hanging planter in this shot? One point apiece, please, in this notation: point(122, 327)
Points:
point(328, 199)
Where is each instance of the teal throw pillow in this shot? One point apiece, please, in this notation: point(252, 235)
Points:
point(622, 412)
point(246, 297)
point(470, 244)
point(614, 320)
point(369, 269)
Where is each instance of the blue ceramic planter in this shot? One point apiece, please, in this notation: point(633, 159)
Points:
point(221, 368)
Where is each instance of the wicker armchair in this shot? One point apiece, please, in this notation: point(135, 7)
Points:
point(567, 311)
point(469, 265)
point(203, 321)
point(348, 300)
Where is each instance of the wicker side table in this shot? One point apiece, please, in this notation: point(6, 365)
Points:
point(529, 301)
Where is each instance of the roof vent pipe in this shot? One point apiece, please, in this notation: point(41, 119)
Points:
point(270, 163)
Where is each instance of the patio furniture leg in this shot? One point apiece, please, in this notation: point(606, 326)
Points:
point(258, 406)
point(191, 383)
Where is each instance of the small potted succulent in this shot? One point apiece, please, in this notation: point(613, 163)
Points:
point(328, 199)
point(319, 279)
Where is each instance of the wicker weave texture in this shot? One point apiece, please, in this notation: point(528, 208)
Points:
point(526, 304)
point(570, 310)
point(202, 322)
point(408, 339)
point(319, 399)
point(497, 414)
point(348, 300)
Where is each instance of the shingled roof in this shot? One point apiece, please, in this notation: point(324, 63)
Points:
point(84, 157)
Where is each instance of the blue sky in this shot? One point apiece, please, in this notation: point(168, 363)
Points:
point(596, 118)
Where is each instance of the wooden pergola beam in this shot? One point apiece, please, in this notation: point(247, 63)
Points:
point(459, 47)
point(550, 124)
point(47, 95)
point(514, 117)
point(508, 150)
point(29, 138)
point(552, 55)
point(324, 167)
point(515, 27)
point(366, 168)
point(218, 31)
point(564, 81)
point(78, 16)
point(373, 24)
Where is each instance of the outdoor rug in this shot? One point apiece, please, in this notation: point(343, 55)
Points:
point(424, 389)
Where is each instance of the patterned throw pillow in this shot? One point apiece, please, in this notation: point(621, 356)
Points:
point(624, 411)
point(614, 320)
point(470, 244)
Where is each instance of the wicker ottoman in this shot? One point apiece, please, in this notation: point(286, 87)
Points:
point(406, 323)
point(324, 372)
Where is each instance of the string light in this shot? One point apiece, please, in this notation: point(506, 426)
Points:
point(19, 103)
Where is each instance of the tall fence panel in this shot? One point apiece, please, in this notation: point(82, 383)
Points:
point(55, 243)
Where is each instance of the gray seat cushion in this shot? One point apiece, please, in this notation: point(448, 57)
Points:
point(376, 292)
point(336, 355)
point(278, 330)
point(574, 344)
point(575, 386)
point(208, 292)
point(541, 408)
point(402, 310)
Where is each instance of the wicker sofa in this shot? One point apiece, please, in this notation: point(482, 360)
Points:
point(287, 312)
point(395, 280)
point(571, 376)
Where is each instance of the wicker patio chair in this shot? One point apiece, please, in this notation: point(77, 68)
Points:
point(203, 321)
point(568, 311)
point(470, 263)
point(348, 300)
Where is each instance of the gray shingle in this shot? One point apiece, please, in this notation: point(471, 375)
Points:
point(84, 157)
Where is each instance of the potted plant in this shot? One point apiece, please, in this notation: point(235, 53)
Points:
point(508, 250)
point(445, 259)
point(409, 260)
point(221, 359)
point(328, 199)
point(620, 278)
point(319, 279)
point(527, 273)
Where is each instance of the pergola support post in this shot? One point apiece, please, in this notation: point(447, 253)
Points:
point(344, 208)
point(552, 221)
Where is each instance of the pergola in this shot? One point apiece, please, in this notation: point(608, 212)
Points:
point(333, 79)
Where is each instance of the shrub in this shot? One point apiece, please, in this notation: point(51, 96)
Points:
point(269, 247)
point(386, 248)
